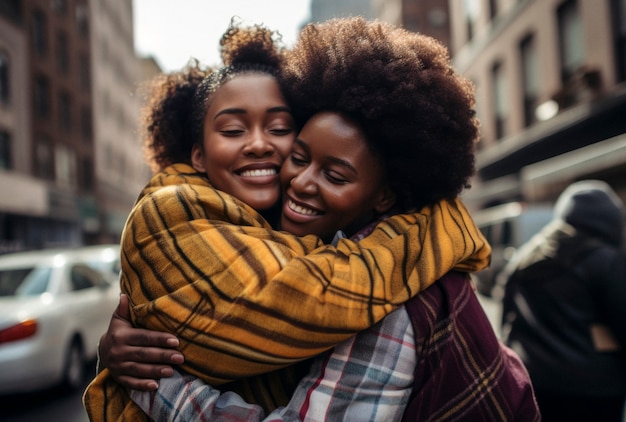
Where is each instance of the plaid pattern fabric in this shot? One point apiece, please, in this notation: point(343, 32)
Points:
point(246, 300)
point(367, 377)
point(453, 368)
point(187, 398)
point(464, 373)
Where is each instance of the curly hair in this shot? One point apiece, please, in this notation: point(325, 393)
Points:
point(166, 136)
point(173, 115)
point(416, 111)
point(244, 50)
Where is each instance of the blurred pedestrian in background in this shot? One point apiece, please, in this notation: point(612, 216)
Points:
point(564, 307)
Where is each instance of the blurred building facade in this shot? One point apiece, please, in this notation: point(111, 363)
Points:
point(551, 94)
point(117, 72)
point(430, 17)
point(322, 10)
point(550, 81)
point(427, 16)
point(70, 161)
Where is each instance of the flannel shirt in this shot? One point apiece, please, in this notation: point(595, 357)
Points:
point(367, 377)
point(245, 300)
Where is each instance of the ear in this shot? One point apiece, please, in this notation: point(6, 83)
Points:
point(386, 200)
point(197, 158)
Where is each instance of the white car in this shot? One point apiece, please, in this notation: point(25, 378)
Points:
point(105, 258)
point(54, 307)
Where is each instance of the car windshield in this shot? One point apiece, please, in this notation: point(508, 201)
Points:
point(28, 281)
point(104, 266)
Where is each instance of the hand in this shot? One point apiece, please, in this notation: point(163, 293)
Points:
point(137, 358)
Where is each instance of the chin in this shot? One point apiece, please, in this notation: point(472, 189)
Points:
point(263, 204)
point(295, 229)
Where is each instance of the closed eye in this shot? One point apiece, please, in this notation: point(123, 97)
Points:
point(335, 178)
point(281, 132)
point(297, 159)
point(232, 133)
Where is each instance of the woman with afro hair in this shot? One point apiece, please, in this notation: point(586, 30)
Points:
point(357, 86)
point(201, 261)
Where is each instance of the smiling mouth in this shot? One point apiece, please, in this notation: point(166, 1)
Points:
point(300, 209)
point(259, 173)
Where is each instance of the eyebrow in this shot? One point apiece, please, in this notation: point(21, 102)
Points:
point(335, 160)
point(278, 109)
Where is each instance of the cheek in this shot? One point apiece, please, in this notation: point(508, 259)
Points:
point(344, 203)
point(287, 172)
point(283, 147)
point(221, 155)
point(217, 164)
point(353, 202)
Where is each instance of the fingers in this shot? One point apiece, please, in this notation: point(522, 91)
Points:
point(123, 308)
point(135, 373)
point(124, 334)
point(151, 355)
point(136, 370)
point(137, 358)
point(137, 383)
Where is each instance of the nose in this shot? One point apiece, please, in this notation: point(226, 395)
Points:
point(259, 144)
point(304, 183)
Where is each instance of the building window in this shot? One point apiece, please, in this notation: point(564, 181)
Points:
point(493, 9)
point(84, 72)
point(42, 97)
point(44, 167)
point(87, 178)
point(40, 44)
point(411, 23)
point(438, 18)
point(65, 112)
point(571, 39)
point(65, 163)
point(530, 78)
point(86, 128)
point(618, 8)
point(4, 78)
point(6, 163)
point(59, 6)
point(472, 11)
point(63, 57)
point(82, 20)
point(500, 99)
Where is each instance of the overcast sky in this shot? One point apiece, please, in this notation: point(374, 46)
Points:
point(174, 31)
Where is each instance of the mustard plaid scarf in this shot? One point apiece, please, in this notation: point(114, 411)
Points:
point(244, 299)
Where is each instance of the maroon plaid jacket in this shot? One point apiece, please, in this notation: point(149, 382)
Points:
point(464, 372)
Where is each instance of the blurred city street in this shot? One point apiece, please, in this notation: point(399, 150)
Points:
point(48, 405)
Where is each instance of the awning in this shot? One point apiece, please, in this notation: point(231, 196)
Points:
point(573, 165)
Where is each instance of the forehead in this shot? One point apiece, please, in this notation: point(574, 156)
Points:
point(249, 89)
point(334, 133)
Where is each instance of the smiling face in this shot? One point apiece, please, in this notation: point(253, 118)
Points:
point(248, 132)
point(332, 180)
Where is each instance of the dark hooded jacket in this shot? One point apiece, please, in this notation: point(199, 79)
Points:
point(564, 309)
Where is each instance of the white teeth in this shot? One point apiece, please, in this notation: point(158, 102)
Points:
point(301, 210)
point(258, 173)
